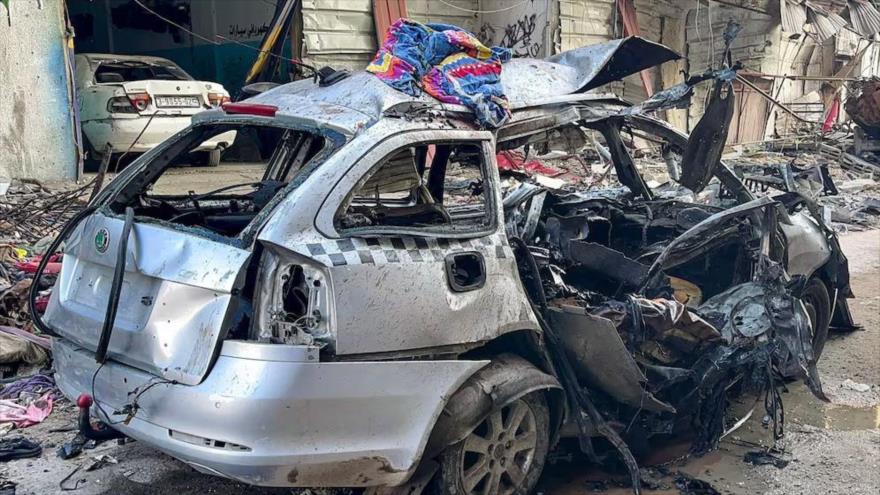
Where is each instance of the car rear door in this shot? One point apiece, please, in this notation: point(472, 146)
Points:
point(176, 294)
point(399, 287)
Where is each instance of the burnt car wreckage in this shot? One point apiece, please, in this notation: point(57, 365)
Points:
point(377, 312)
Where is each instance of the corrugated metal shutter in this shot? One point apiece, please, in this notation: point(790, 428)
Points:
point(339, 33)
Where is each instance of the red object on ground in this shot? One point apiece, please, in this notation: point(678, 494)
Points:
point(41, 303)
point(831, 117)
point(84, 401)
point(52, 268)
point(515, 161)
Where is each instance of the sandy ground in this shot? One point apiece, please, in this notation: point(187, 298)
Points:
point(832, 448)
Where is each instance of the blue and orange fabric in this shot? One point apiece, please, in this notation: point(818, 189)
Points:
point(446, 62)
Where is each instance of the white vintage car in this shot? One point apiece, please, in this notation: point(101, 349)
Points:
point(130, 104)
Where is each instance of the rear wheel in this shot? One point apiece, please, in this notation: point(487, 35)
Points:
point(505, 454)
point(818, 306)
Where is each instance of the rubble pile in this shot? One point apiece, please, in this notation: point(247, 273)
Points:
point(849, 198)
point(30, 217)
point(29, 211)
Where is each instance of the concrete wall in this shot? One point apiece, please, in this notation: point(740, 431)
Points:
point(36, 124)
point(526, 28)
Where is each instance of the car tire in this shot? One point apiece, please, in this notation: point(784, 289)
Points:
point(92, 160)
point(213, 158)
point(818, 305)
point(508, 450)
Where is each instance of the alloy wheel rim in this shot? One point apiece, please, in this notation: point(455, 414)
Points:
point(498, 454)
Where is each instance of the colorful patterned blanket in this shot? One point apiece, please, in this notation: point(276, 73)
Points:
point(446, 62)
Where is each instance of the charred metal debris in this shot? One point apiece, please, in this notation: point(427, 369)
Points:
point(664, 309)
point(657, 310)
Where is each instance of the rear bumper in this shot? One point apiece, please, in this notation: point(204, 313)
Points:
point(121, 133)
point(274, 419)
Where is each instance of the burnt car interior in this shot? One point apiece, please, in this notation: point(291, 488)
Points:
point(684, 292)
point(428, 185)
point(260, 162)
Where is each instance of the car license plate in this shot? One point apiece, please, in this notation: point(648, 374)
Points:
point(177, 101)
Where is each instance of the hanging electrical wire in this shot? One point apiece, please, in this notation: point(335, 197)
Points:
point(229, 40)
point(471, 11)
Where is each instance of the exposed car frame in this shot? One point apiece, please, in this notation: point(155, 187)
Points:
point(402, 367)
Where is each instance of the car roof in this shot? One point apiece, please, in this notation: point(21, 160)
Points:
point(361, 99)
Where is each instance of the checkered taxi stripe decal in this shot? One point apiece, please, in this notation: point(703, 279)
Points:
point(379, 251)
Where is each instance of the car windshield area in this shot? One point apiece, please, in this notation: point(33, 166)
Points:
point(250, 164)
point(135, 70)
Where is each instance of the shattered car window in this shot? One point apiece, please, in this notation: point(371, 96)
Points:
point(255, 164)
point(427, 185)
point(127, 71)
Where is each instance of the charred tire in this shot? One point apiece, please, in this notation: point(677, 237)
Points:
point(818, 304)
point(507, 450)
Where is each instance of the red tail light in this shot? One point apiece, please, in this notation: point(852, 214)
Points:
point(217, 99)
point(139, 100)
point(250, 109)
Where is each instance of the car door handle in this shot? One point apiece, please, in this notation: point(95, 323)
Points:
point(465, 271)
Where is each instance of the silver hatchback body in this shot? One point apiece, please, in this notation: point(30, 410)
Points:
point(315, 331)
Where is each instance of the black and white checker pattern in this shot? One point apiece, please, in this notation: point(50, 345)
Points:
point(379, 251)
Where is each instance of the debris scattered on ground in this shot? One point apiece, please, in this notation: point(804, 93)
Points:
point(73, 448)
point(29, 211)
point(855, 386)
point(100, 461)
point(18, 448)
point(827, 461)
point(764, 458)
point(850, 198)
point(688, 485)
point(27, 401)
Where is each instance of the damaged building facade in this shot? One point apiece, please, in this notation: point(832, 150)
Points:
point(780, 59)
point(803, 72)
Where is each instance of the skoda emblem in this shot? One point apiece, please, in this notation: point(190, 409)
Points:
point(102, 240)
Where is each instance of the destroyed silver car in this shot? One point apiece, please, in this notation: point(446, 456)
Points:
point(382, 310)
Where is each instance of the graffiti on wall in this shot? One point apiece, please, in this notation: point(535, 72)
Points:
point(245, 31)
point(520, 36)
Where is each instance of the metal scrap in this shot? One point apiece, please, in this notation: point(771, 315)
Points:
point(30, 211)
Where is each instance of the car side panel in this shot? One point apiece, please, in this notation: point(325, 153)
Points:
point(808, 249)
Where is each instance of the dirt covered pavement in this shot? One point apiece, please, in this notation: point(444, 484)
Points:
point(830, 448)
